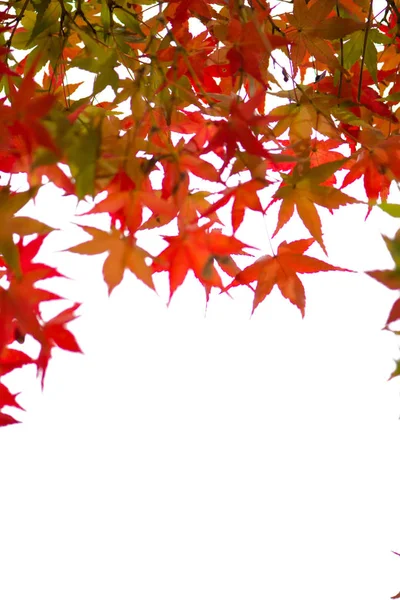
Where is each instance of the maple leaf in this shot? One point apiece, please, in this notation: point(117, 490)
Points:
point(378, 161)
point(7, 321)
point(19, 307)
point(212, 89)
point(188, 59)
point(311, 153)
point(183, 158)
point(320, 152)
point(355, 98)
point(303, 193)
point(123, 253)
point(20, 313)
point(22, 119)
point(185, 9)
point(11, 359)
point(387, 277)
point(16, 307)
point(6, 419)
point(187, 160)
point(10, 203)
point(196, 248)
point(7, 399)
point(188, 208)
point(34, 271)
point(390, 278)
point(126, 207)
point(282, 270)
point(179, 160)
point(53, 174)
point(4, 69)
point(238, 130)
point(55, 334)
point(245, 196)
point(394, 314)
point(251, 47)
point(311, 29)
point(301, 118)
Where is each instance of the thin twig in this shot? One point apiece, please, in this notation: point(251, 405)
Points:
point(364, 51)
point(395, 9)
point(18, 20)
point(79, 12)
point(341, 56)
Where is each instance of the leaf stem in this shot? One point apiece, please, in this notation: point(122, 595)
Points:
point(395, 9)
point(364, 51)
point(17, 22)
point(341, 55)
point(79, 12)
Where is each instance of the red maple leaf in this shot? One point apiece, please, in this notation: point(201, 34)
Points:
point(251, 47)
point(282, 270)
point(238, 129)
point(378, 161)
point(245, 197)
point(6, 419)
point(56, 335)
point(196, 248)
point(7, 399)
point(11, 359)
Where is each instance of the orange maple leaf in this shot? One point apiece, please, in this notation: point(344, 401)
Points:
point(123, 253)
point(303, 193)
point(281, 270)
point(310, 30)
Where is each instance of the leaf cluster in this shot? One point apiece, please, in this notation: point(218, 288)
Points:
point(239, 95)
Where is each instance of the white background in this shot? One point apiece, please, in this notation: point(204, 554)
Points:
point(209, 456)
point(188, 456)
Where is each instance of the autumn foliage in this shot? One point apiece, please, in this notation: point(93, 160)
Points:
point(284, 104)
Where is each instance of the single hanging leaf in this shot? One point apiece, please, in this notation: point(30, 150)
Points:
point(282, 270)
point(303, 193)
point(123, 253)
